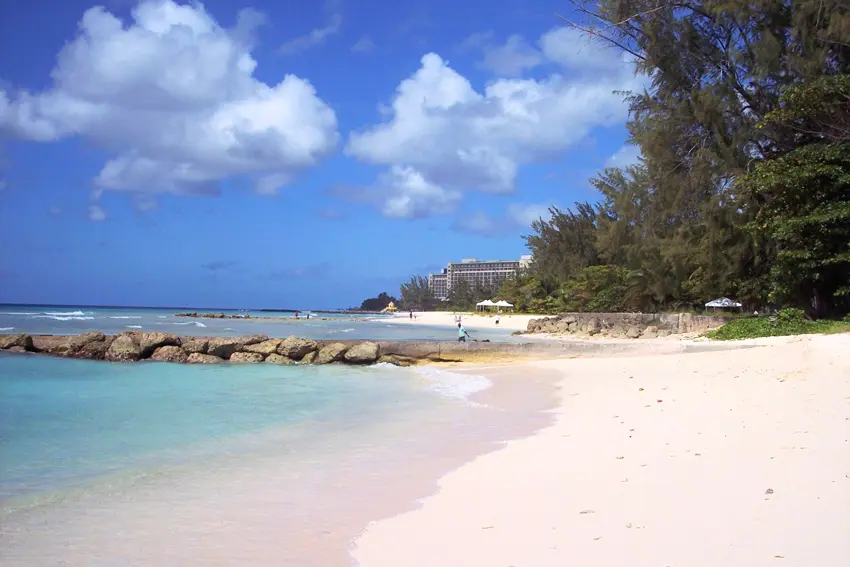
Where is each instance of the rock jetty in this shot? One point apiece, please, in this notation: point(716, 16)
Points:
point(135, 346)
point(624, 325)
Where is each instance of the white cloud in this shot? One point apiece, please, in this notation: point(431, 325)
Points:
point(96, 213)
point(512, 58)
point(455, 138)
point(524, 215)
point(410, 195)
point(172, 94)
point(517, 216)
point(315, 38)
point(628, 154)
point(364, 45)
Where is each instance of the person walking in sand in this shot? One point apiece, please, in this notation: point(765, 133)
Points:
point(461, 333)
point(497, 319)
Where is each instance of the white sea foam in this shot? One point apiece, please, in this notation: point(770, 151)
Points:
point(65, 313)
point(124, 317)
point(6, 328)
point(162, 316)
point(195, 323)
point(61, 318)
point(340, 331)
point(454, 385)
point(133, 326)
point(19, 313)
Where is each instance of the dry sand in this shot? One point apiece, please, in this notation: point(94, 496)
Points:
point(471, 321)
point(735, 459)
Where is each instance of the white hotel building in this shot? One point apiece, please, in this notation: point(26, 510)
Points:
point(472, 271)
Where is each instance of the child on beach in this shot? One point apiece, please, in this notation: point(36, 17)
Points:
point(461, 333)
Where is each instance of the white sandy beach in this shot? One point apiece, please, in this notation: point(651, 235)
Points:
point(471, 321)
point(737, 458)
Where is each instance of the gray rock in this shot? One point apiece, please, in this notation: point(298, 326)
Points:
point(123, 349)
point(266, 347)
point(94, 350)
point(193, 344)
point(16, 348)
point(296, 348)
point(169, 353)
point(149, 342)
point(362, 353)
point(593, 327)
point(664, 333)
point(198, 358)
point(254, 339)
point(19, 340)
point(223, 347)
point(397, 360)
point(633, 333)
point(245, 357)
point(275, 358)
point(309, 358)
point(330, 353)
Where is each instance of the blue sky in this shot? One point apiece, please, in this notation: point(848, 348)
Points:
point(279, 154)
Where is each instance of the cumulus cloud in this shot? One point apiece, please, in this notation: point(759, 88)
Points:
point(450, 137)
point(173, 96)
point(96, 213)
point(516, 216)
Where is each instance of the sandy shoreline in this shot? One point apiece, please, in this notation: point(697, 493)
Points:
point(737, 458)
point(471, 321)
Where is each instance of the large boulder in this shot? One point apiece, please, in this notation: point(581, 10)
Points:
point(332, 352)
point(223, 347)
point(149, 342)
point(195, 344)
point(650, 332)
point(94, 350)
point(124, 348)
point(362, 353)
point(295, 348)
point(84, 345)
point(309, 358)
point(253, 339)
point(198, 358)
point(633, 333)
point(266, 347)
point(275, 358)
point(169, 353)
point(246, 357)
point(19, 340)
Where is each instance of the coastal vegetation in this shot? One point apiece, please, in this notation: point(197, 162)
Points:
point(742, 188)
point(790, 321)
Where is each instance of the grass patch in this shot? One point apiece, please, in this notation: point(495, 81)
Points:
point(786, 322)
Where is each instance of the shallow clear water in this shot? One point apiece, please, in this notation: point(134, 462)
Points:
point(65, 422)
point(70, 320)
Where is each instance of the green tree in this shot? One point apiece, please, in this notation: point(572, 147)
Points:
point(377, 303)
point(417, 295)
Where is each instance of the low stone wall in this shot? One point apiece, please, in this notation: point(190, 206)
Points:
point(625, 325)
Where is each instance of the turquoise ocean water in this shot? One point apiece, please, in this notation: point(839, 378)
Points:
point(66, 423)
point(68, 320)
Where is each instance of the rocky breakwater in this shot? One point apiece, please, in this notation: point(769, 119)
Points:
point(624, 325)
point(135, 346)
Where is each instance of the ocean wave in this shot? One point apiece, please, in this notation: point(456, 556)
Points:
point(65, 313)
point(133, 326)
point(6, 328)
point(162, 316)
point(195, 323)
point(18, 313)
point(124, 317)
point(340, 331)
point(60, 318)
point(454, 385)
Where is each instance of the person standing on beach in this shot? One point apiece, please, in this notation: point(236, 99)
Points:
point(461, 333)
point(497, 319)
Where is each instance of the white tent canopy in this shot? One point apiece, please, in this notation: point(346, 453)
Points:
point(485, 303)
point(723, 302)
point(503, 303)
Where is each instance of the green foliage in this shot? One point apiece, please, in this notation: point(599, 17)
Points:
point(743, 187)
point(378, 303)
point(416, 295)
point(786, 322)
